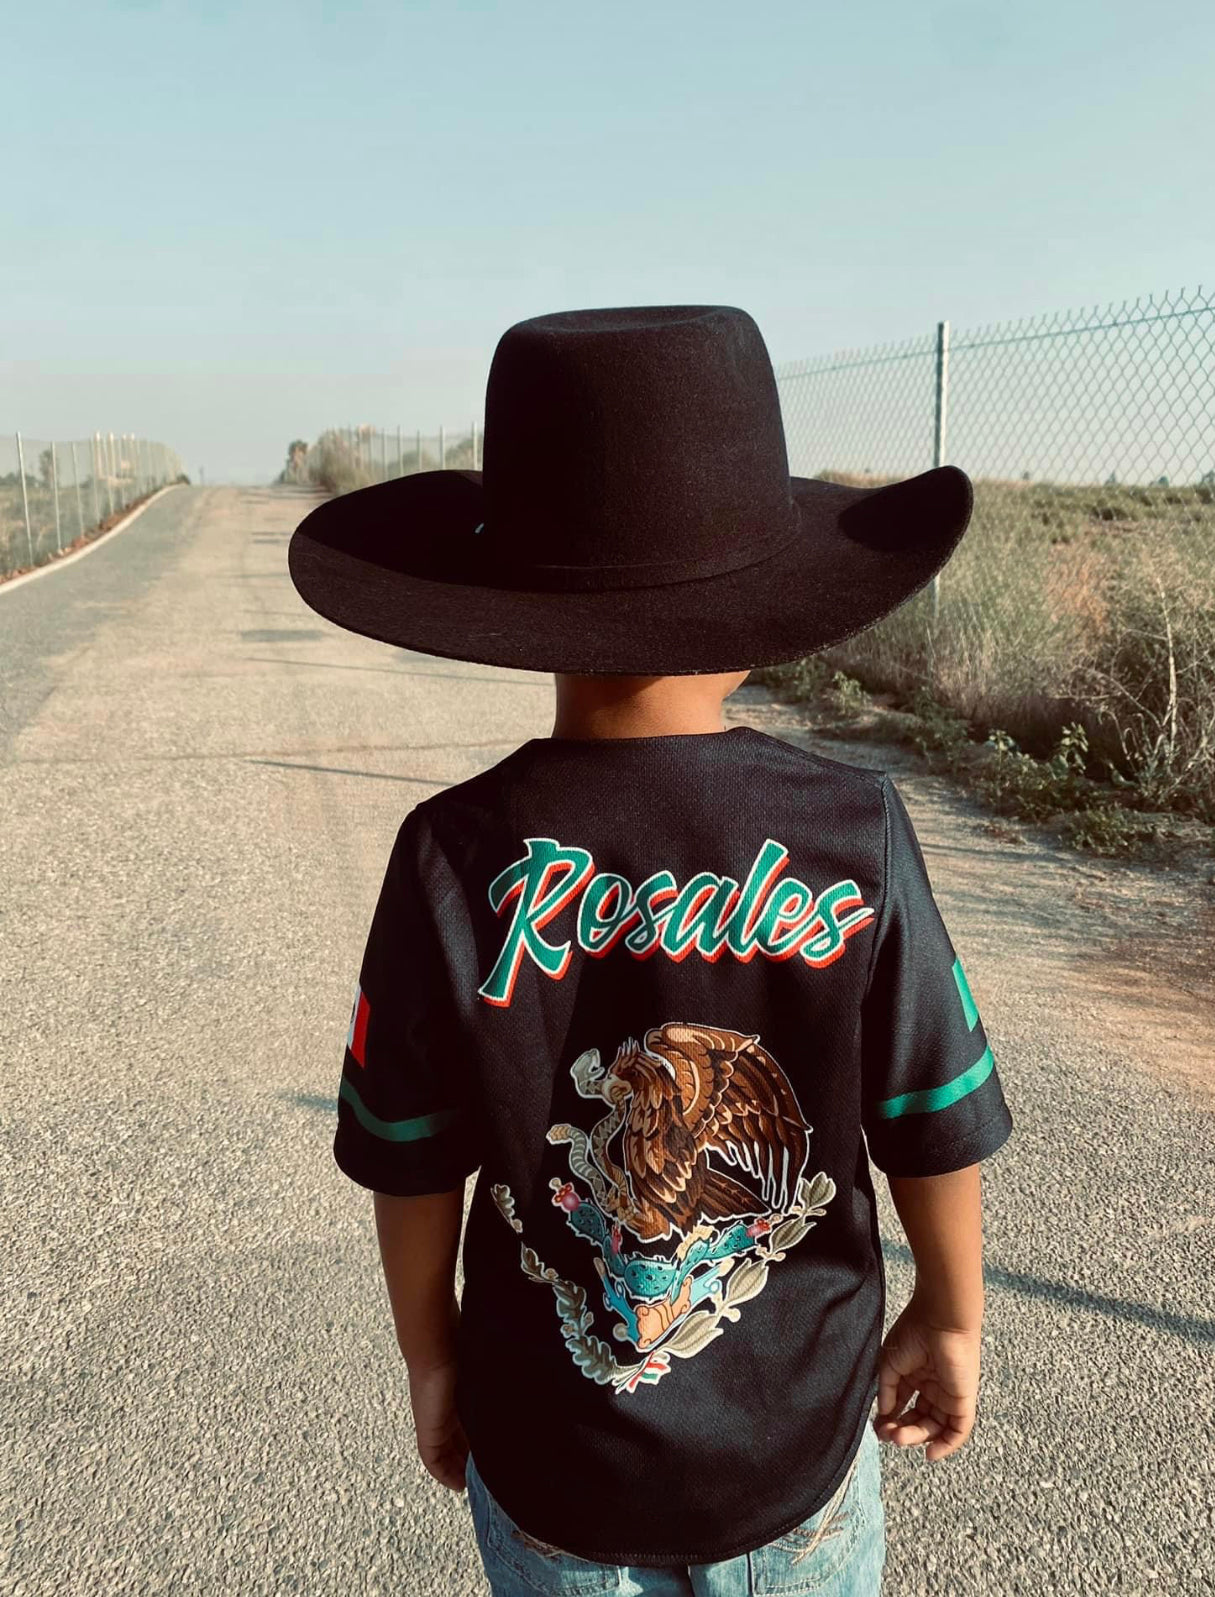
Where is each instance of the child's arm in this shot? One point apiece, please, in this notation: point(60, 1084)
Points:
point(942, 1218)
point(933, 1109)
point(933, 1346)
point(419, 1240)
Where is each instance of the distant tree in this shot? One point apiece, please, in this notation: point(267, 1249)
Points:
point(1207, 480)
point(1161, 482)
point(1112, 480)
point(45, 468)
point(1025, 477)
point(297, 454)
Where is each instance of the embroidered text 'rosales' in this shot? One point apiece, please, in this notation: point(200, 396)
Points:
point(709, 915)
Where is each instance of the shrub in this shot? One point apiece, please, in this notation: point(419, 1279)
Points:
point(1106, 829)
point(797, 680)
point(1150, 678)
point(847, 694)
point(334, 466)
point(937, 729)
point(1014, 783)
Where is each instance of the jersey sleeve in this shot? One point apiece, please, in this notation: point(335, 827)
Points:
point(932, 1099)
point(407, 1117)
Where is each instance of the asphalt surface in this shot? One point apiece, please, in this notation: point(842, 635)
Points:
point(200, 782)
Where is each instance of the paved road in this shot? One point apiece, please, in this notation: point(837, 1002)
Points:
point(200, 782)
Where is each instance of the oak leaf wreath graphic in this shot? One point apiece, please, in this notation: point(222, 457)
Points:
point(689, 1106)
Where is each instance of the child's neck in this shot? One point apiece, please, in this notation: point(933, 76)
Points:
point(626, 707)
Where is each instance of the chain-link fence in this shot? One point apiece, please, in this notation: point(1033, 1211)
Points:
point(1085, 585)
point(53, 494)
point(345, 458)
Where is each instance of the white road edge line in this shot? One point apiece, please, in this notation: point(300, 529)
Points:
point(104, 537)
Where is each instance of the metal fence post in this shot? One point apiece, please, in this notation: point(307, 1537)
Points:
point(107, 452)
point(442, 451)
point(417, 465)
point(476, 464)
point(400, 457)
point(383, 457)
point(55, 486)
point(938, 437)
point(76, 481)
point(29, 536)
point(93, 478)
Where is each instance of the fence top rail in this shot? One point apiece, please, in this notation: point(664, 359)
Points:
point(1034, 329)
point(847, 359)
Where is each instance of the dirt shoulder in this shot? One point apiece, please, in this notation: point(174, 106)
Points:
point(1130, 944)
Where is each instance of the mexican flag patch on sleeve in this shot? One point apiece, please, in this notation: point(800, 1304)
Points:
point(356, 1039)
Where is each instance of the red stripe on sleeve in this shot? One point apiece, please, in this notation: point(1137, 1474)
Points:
point(357, 1039)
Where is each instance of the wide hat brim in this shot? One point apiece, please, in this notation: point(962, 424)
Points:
point(400, 562)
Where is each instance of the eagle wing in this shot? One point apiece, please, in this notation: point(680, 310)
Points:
point(758, 1124)
point(724, 1094)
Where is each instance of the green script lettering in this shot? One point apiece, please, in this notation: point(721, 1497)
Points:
point(537, 899)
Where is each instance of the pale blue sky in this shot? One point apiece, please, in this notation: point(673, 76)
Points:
point(227, 225)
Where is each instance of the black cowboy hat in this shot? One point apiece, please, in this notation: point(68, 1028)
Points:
point(635, 515)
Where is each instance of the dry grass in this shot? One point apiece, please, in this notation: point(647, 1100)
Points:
point(1064, 605)
point(339, 464)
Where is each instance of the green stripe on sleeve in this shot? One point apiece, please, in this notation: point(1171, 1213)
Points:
point(914, 1103)
point(964, 993)
point(394, 1130)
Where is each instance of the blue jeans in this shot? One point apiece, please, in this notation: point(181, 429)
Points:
point(838, 1552)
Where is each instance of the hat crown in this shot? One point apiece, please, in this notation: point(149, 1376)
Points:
point(629, 442)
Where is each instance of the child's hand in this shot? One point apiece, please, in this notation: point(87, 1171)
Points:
point(943, 1367)
point(442, 1446)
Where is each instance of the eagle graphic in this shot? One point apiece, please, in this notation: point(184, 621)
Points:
point(690, 1105)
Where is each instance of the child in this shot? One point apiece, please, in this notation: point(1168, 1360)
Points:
point(668, 986)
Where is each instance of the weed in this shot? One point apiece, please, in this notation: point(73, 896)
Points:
point(847, 695)
point(937, 729)
point(1014, 783)
point(1106, 829)
point(799, 680)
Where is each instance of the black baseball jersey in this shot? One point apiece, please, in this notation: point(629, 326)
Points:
point(666, 994)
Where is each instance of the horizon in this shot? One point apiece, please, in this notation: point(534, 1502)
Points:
point(337, 224)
